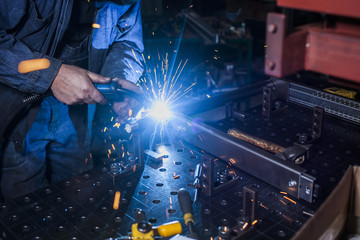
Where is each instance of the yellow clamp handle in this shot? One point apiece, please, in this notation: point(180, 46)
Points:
point(188, 217)
point(169, 229)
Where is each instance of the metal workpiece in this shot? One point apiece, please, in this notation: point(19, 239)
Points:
point(266, 145)
point(334, 105)
point(248, 158)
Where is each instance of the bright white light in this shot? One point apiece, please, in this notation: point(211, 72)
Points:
point(160, 111)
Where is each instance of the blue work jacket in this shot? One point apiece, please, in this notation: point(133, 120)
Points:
point(32, 29)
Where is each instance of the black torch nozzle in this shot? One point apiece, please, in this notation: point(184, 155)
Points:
point(113, 91)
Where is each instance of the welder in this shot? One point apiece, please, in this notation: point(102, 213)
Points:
point(85, 42)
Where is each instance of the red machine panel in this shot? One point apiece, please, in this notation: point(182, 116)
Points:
point(334, 51)
point(348, 8)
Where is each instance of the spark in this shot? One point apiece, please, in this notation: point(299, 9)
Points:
point(134, 55)
point(117, 125)
point(33, 65)
point(170, 200)
point(283, 202)
point(143, 57)
point(289, 199)
point(112, 118)
point(116, 200)
point(113, 147)
point(285, 193)
point(105, 129)
point(134, 168)
point(109, 151)
point(245, 225)
point(254, 222)
point(233, 172)
point(264, 206)
point(287, 218)
point(130, 112)
point(232, 160)
point(207, 95)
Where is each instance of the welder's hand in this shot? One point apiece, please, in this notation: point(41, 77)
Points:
point(129, 106)
point(74, 85)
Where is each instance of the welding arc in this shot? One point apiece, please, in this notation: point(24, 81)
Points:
point(258, 142)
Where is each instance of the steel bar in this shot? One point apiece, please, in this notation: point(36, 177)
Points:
point(252, 160)
point(258, 142)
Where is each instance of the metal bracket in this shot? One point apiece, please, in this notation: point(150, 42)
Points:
point(275, 96)
point(318, 115)
point(208, 177)
point(250, 199)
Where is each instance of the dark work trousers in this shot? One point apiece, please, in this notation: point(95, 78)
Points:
point(51, 153)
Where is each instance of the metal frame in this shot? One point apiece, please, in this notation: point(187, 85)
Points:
point(338, 106)
point(252, 160)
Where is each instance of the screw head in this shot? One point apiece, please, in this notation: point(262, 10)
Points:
point(271, 64)
point(292, 183)
point(144, 227)
point(272, 28)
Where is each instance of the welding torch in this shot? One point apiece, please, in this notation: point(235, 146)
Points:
point(113, 91)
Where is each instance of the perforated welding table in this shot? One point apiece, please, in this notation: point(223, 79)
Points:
point(82, 207)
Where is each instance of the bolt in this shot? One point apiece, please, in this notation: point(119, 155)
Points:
point(292, 183)
point(271, 64)
point(277, 104)
point(272, 28)
point(144, 227)
point(224, 232)
point(303, 138)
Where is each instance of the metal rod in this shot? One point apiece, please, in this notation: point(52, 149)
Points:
point(258, 142)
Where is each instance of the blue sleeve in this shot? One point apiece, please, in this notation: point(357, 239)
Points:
point(121, 33)
point(13, 51)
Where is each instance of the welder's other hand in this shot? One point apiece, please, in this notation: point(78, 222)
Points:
point(74, 85)
point(129, 106)
point(125, 84)
point(125, 109)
